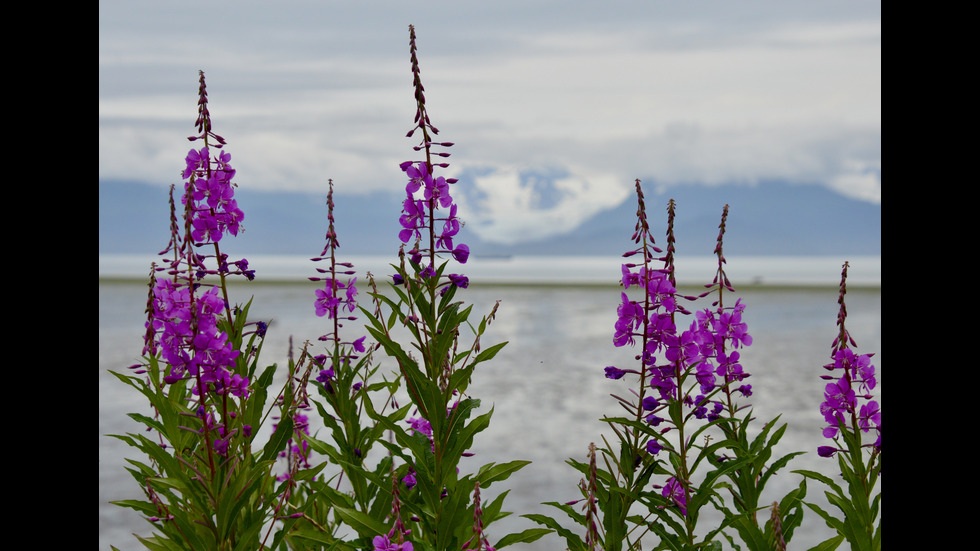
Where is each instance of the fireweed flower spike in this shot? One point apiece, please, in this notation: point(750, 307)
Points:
point(848, 402)
point(435, 367)
point(851, 412)
point(646, 322)
point(423, 214)
point(679, 372)
point(200, 371)
point(336, 296)
point(191, 341)
point(720, 333)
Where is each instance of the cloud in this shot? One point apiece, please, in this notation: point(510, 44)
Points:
point(859, 181)
point(662, 92)
point(512, 204)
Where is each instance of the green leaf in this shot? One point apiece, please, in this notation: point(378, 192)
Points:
point(572, 540)
point(489, 352)
point(828, 545)
point(361, 522)
point(821, 478)
point(279, 439)
point(144, 507)
point(527, 536)
point(492, 473)
point(158, 544)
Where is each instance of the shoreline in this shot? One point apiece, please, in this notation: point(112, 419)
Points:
point(804, 272)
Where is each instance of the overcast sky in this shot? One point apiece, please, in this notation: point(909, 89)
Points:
point(595, 94)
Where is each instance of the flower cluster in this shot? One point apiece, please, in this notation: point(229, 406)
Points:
point(674, 491)
point(190, 324)
point(848, 402)
point(384, 543)
point(418, 214)
point(190, 340)
point(425, 223)
point(328, 301)
point(718, 334)
point(209, 193)
point(335, 296)
point(707, 348)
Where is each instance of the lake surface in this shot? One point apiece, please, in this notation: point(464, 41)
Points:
point(547, 384)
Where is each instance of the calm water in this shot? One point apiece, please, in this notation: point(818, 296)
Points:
point(547, 384)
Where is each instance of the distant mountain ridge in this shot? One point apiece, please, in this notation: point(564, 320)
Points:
point(768, 219)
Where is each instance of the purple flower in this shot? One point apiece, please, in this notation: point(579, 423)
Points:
point(851, 373)
point(839, 399)
point(629, 278)
point(654, 447)
point(730, 326)
point(654, 420)
point(418, 176)
point(683, 349)
point(214, 211)
point(629, 318)
point(461, 253)
point(870, 413)
point(383, 543)
point(409, 480)
point(412, 219)
point(614, 372)
point(729, 368)
point(325, 376)
point(450, 228)
point(194, 161)
point(438, 189)
point(185, 350)
point(674, 491)
point(221, 446)
point(421, 425)
point(325, 303)
point(351, 293)
point(359, 344)
point(239, 386)
point(826, 451)
point(662, 291)
point(459, 280)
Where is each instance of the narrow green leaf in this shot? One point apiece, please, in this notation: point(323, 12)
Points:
point(489, 352)
point(360, 522)
point(527, 536)
point(828, 545)
point(493, 473)
point(572, 540)
point(278, 441)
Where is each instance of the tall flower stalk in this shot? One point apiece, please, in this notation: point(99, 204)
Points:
point(681, 439)
point(206, 487)
point(437, 364)
point(723, 333)
point(343, 389)
point(853, 418)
